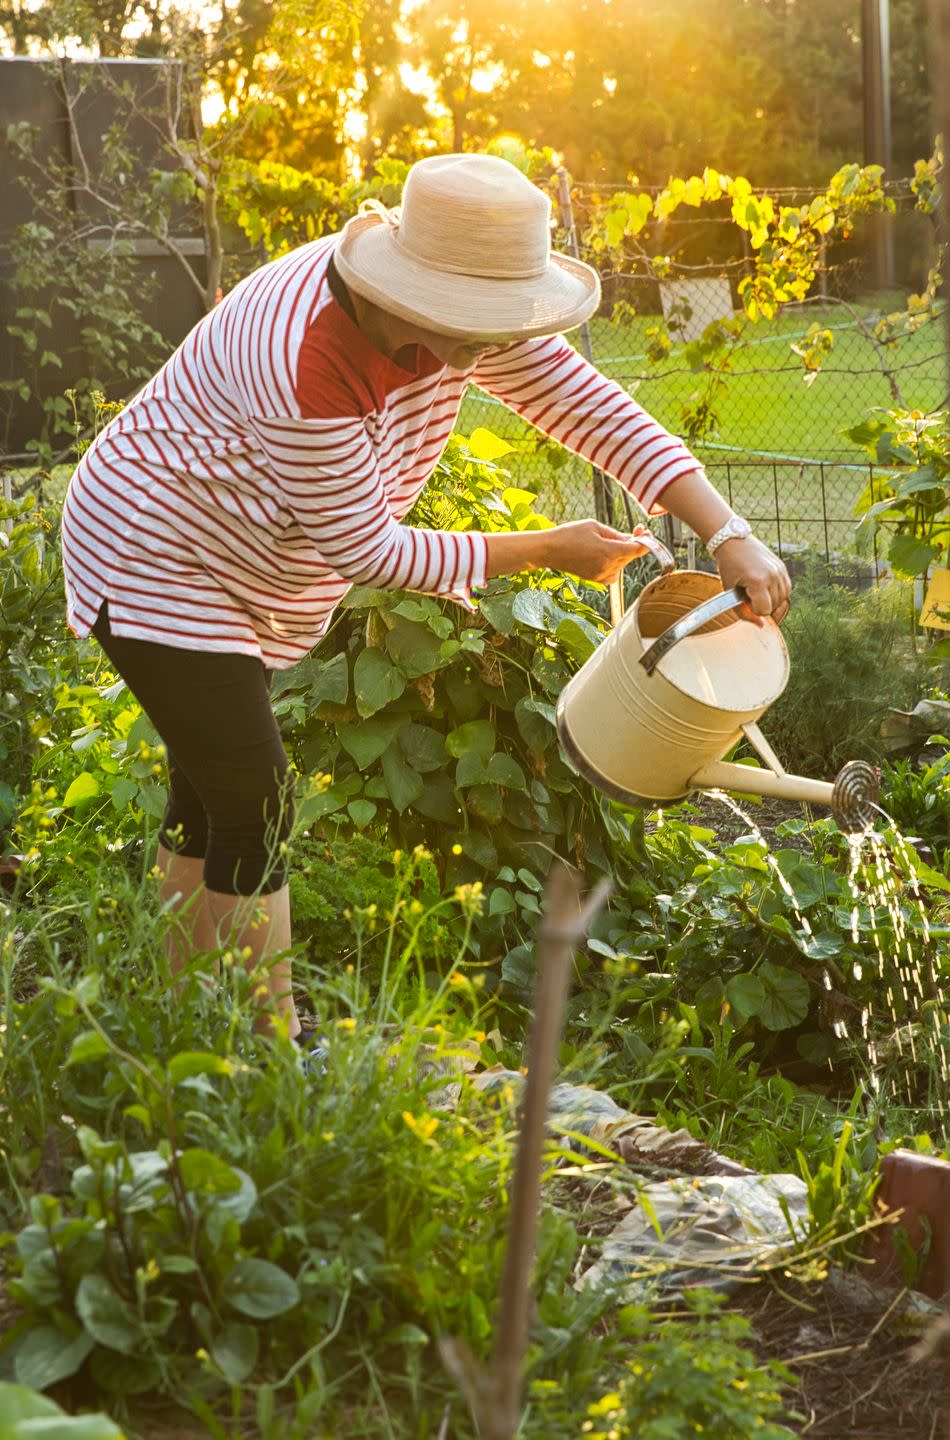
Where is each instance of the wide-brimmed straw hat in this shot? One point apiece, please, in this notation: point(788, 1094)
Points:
point(468, 253)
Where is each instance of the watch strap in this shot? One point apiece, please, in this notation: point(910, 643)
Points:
point(735, 528)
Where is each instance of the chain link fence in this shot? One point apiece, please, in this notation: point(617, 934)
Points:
point(768, 430)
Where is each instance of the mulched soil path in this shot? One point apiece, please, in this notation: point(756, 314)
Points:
point(861, 1375)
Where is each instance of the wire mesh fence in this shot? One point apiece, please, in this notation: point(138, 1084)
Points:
point(769, 430)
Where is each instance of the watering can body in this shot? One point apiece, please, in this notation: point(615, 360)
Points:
point(679, 681)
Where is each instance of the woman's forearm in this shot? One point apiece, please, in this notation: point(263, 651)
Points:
point(697, 503)
point(510, 553)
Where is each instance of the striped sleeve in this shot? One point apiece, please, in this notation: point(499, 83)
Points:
point(327, 474)
point(551, 385)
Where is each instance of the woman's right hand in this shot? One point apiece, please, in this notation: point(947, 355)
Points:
point(590, 550)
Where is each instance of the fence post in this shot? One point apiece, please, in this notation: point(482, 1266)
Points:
point(603, 496)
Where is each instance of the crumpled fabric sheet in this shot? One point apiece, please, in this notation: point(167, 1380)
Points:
point(714, 1228)
point(585, 1111)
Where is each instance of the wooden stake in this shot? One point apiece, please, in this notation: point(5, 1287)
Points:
point(495, 1395)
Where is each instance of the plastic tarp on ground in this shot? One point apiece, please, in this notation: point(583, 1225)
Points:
point(709, 1228)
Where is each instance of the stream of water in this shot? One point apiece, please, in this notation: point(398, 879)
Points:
point(887, 909)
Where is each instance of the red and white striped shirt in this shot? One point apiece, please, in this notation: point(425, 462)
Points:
point(267, 466)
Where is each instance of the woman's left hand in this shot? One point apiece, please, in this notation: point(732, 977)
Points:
point(748, 563)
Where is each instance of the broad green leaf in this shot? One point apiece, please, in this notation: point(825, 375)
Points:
point(361, 812)
point(123, 1374)
point(501, 902)
point(480, 847)
point(807, 881)
point(196, 1062)
point(910, 556)
point(786, 999)
point(746, 995)
point(575, 639)
point(235, 1351)
point(485, 802)
point(84, 787)
point(709, 1000)
point(90, 1045)
point(823, 946)
point(331, 681)
point(486, 446)
point(499, 611)
point(503, 770)
point(377, 682)
point(200, 1170)
point(109, 1319)
point(402, 782)
point(46, 1356)
point(405, 1334)
point(367, 741)
point(476, 736)
point(518, 969)
point(123, 792)
point(533, 608)
point(414, 648)
point(438, 800)
point(260, 1289)
point(18, 1402)
point(423, 747)
point(535, 721)
point(471, 770)
point(154, 799)
point(8, 801)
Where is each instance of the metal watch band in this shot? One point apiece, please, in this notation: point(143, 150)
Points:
point(735, 528)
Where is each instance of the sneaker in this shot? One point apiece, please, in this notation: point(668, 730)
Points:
point(314, 1052)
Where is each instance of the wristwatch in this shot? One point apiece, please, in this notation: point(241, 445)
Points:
point(735, 528)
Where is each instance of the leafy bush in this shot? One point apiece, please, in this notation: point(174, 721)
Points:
point(436, 726)
point(918, 800)
point(31, 632)
point(209, 1223)
point(851, 662)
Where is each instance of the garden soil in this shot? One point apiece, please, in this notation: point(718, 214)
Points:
point(862, 1371)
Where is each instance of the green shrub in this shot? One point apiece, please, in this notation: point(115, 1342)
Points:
point(694, 1375)
point(851, 661)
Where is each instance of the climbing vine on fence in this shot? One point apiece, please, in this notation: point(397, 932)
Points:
point(785, 245)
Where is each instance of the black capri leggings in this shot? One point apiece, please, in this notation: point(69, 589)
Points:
point(230, 794)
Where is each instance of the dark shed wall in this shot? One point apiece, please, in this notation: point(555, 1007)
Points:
point(34, 91)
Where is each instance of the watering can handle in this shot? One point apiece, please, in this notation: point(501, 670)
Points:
point(689, 624)
point(663, 558)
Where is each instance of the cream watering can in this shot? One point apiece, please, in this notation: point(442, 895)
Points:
point(681, 678)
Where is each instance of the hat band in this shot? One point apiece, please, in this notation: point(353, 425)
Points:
point(447, 267)
point(481, 272)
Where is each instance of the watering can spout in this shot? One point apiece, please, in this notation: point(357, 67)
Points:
point(852, 798)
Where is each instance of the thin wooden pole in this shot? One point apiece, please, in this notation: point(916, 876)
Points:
point(495, 1395)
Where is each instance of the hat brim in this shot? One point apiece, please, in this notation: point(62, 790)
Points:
point(371, 262)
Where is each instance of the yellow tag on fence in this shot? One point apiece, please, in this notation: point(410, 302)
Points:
point(936, 607)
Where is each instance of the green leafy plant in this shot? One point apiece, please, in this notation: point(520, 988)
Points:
point(851, 661)
point(31, 631)
point(693, 1375)
point(25, 1414)
point(909, 508)
point(917, 797)
point(441, 723)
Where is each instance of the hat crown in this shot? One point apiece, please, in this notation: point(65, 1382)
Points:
point(475, 215)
